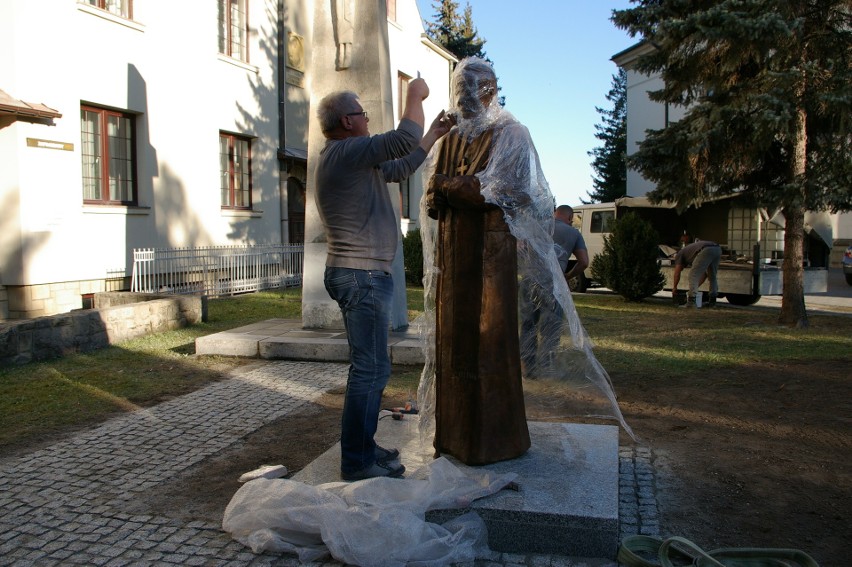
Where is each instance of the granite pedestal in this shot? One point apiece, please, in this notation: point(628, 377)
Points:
point(567, 497)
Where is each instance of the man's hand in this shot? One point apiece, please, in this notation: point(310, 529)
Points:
point(441, 124)
point(439, 127)
point(418, 88)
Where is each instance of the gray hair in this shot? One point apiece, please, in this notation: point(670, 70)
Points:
point(335, 106)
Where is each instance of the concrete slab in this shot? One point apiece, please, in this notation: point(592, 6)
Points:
point(227, 344)
point(282, 339)
point(300, 348)
point(567, 503)
point(407, 352)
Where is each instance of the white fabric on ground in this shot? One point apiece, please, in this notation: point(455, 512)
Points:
point(374, 522)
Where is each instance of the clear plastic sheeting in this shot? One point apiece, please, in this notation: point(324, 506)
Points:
point(375, 522)
point(562, 376)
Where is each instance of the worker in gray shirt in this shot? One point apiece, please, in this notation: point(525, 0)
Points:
point(362, 234)
point(703, 257)
point(541, 320)
point(568, 241)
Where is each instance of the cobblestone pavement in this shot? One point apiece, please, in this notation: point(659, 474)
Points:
point(63, 505)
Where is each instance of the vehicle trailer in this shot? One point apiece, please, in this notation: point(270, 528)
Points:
point(752, 242)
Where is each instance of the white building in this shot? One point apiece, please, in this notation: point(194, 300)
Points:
point(144, 123)
point(413, 55)
point(644, 114)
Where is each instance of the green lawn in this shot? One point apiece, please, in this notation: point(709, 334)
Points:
point(43, 399)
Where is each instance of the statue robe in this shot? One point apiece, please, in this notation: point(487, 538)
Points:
point(479, 405)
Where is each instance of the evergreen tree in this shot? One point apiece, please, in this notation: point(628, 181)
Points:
point(609, 163)
point(455, 33)
point(443, 29)
point(469, 44)
point(412, 255)
point(628, 264)
point(767, 88)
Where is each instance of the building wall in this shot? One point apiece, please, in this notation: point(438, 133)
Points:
point(298, 32)
point(644, 114)
point(413, 55)
point(164, 67)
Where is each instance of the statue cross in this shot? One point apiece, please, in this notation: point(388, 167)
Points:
point(462, 168)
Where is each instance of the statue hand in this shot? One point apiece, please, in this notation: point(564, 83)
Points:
point(436, 201)
point(463, 193)
point(464, 183)
point(439, 182)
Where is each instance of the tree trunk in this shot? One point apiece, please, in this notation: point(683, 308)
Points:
point(793, 298)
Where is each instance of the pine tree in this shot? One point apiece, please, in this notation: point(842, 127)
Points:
point(469, 43)
point(609, 163)
point(455, 33)
point(442, 29)
point(767, 88)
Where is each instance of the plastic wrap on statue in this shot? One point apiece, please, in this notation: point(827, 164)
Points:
point(487, 223)
point(478, 387)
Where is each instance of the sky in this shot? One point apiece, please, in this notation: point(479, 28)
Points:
point(553, 64)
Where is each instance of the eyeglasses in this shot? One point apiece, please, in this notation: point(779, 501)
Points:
point(362, 113)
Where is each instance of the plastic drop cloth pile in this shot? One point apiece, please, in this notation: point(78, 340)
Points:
point(375, 522)
point(568, 382)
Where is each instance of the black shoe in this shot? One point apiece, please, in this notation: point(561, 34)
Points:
point(385, 455)
point(375, 470)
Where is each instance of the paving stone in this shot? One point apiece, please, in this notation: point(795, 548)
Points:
point(63, 504)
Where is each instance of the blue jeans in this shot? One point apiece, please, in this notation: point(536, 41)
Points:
point(365, 298)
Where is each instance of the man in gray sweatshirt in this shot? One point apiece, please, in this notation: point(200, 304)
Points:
point(362, 233)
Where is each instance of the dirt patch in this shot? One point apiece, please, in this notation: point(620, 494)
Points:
point(752, 456)
point(294, 441)
point(746, 457)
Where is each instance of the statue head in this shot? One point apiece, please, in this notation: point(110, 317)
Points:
point(474, 97)
point(474, 87)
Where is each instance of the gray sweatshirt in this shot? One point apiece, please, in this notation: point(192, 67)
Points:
point(352, 196)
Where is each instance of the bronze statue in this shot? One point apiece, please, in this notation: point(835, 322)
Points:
point(480, 416)
point(487, 224)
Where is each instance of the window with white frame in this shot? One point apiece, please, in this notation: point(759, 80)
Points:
point(108, 150)
point(233, 29)
point(235, 171)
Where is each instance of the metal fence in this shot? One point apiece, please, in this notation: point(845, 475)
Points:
point(217, 270)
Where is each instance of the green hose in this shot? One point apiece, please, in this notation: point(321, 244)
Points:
point(678, 551)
